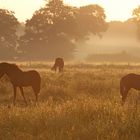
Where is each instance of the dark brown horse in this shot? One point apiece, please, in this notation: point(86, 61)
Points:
point(59, 63)
point(127, 82)
point(21, 79)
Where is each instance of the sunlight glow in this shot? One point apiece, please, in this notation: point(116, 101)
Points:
point(114, 9)
point(23, 9)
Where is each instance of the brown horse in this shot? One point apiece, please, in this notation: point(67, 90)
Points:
point(21, 79)
point(127, 82)
point(59, 63)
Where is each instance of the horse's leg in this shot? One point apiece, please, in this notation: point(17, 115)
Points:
point(60, 69)
point(55, 69)
point(36, 96)
point(36, 93)
point(22, 93)
point(15, 92)
point(125, 95)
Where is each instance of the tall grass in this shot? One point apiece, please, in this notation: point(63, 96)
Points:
point(83, 103)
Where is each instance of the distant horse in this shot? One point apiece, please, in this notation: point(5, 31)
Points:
point(21, 79)
point(59, 63)
point(127, 82)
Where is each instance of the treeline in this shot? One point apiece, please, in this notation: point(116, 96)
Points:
point(53, 30)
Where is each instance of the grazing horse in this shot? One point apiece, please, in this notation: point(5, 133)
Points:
point(127, 82)
point(59, 63)
point(21, 79)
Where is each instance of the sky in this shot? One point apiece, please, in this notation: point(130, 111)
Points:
point(114, 9)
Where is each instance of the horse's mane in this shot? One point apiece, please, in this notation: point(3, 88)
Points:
point(13, 67)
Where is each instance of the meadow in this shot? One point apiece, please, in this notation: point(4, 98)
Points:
point(82, 103)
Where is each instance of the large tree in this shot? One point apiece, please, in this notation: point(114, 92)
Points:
point(8, 37)
point(136, 18)
point(90, 20)
point(54, 29)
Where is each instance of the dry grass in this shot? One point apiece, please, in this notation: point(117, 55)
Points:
point(83, 103)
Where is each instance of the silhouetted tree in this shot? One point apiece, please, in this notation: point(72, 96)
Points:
point(8, 38)
point(136, 18)
point(54, 29)
point(91, 20)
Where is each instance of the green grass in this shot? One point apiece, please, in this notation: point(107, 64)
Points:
point(83, 103)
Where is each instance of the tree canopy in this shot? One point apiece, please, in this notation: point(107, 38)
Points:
point(54, 29)
point(90, 20)
point(136, 18)
point(8, 37)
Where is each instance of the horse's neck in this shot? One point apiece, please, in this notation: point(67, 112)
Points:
point(14, 71)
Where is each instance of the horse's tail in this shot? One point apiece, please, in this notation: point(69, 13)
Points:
point(54, 67)
point(123, 91)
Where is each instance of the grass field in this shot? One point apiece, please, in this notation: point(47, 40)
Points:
point(83, 103)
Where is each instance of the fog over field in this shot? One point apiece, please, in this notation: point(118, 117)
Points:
point(120, 37)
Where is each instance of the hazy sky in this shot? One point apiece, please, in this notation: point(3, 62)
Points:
point(114, 9)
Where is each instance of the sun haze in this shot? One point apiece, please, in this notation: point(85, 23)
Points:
point(23, 9)
point(114, 9)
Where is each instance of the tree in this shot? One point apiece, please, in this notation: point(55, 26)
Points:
point(91, 20)
point(8, 38)
point(54, 29)
point(136, 18)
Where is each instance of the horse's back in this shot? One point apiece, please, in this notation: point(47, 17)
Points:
point(34, 75)
point(131, 76)
point(59, 62)
point(131, 81)
point(28, 78)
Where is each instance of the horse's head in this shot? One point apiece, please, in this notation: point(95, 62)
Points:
point(3, 68)
point(1, 74)
point(124, 95)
